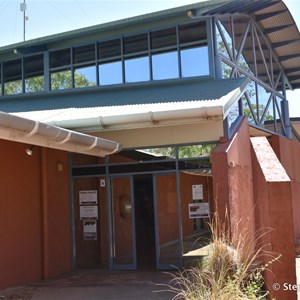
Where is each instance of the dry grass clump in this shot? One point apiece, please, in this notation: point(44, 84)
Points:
point(226, 273)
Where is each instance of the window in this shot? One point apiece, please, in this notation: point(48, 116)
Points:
point(194, 61)
point(137, 69)
point(84, 76)
point(110, 65)
point(60, 58)
point(110, 73)
point(192, 32)
point(109, 49)
point(136, 43)
point(165, 65)
point(12, 71)
point(34, 73)
point(169, 53)
point(163, 38)
point(61, 80)
point(84, 54)
point(60, 63)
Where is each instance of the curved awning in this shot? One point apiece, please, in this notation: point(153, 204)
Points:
point(275, 21)
point(23, 130)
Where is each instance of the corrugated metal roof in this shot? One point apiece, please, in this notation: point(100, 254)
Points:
point(147, 93)
point(198, 100)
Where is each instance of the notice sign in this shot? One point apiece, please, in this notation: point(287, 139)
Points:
point(198, 210)
point(89, 212)
point(88, 197)
point(90, 230)
point(197, 190)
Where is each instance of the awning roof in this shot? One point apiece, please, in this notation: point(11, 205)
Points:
point(276, 23)
point(23, 130)
point(168, 104)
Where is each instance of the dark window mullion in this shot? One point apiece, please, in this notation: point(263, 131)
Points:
point(122, 60)
point(178, 52)
point(150, 56)
point(23, 75)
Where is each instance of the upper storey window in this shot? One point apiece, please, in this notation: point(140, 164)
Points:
point(169, 53)
point(110, 62)
point(60, 69)
point(136, 58)
point(12, 77)
point(84, 71)
point(34, 73)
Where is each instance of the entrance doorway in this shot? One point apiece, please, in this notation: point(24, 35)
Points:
point(144, 221)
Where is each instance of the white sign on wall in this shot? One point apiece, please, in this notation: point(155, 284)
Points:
point(197, 190)
point(90, 230)
point(88, 197)
point(198, 210)
point(89, 212)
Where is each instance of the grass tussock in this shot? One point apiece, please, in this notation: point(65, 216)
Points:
point(227, 272)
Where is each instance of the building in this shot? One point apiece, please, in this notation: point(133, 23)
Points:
point(149, 118)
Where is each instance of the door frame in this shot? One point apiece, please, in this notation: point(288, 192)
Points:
point(112, 264)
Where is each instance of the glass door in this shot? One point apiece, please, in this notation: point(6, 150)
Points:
point(168, 245)
point(123, 223)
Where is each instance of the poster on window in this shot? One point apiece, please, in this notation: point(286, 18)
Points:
point(197, 190)
point(88, 197)
point(89, 212)
point(198, 210)
point(90, 230)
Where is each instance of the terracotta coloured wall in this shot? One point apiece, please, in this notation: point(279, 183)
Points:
point(20, 216)
point(55, 212)
point(34, 214)
point(232, 182)
point(288, 152)
point(274, 216)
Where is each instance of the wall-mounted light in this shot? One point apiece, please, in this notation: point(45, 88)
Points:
point(29, 150)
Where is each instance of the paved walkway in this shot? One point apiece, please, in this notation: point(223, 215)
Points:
point(97, 284)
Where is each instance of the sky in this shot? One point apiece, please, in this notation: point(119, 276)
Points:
point(46, 17)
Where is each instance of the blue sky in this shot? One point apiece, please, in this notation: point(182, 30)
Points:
point(47, 17)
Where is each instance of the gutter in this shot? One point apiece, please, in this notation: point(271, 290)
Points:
point(23, 130)
point(153, 114)
point(144, 119)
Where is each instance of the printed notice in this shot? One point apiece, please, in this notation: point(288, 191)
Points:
point(88, 197)
point(197, 190)
point(198, 210)
point(89, 212)
point(90, 230)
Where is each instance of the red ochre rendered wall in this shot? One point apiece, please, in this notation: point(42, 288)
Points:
point(34, 214)
point(232, 184)
point(252, 187)
point(288, 152)
point(274, 216)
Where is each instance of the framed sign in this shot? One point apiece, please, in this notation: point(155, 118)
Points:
point(198, 210)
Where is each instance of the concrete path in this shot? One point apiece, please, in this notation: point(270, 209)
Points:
point(97, 284)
